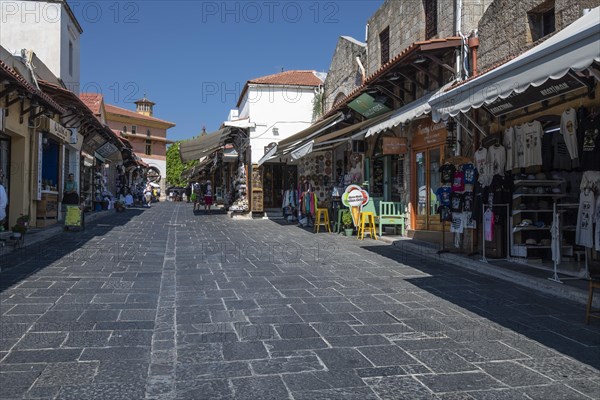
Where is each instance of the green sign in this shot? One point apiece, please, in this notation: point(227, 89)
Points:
point(367, 106)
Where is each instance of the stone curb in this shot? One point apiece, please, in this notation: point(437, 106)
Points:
point(544, 286)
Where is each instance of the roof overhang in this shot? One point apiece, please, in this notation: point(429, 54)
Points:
point(195, 149)
point(575, 48)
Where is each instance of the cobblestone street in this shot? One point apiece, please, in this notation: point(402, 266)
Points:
point(164, 304)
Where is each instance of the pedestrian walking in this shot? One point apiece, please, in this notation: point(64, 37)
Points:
point(197, 195)
point(188, 193)
point(208, 200)
point(148, 195)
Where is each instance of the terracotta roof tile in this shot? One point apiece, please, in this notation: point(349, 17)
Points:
point(128, 113)
point(383, 69)
point(29, 87)
point(92, 100)
point(298, 78)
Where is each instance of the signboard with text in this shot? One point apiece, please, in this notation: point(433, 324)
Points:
point(367, 106)
point(59, 131)
point(107, 149)
point(552, 88)
point(395, 145)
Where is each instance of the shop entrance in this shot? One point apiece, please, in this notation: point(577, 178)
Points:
point(276, 179)
point(426, 183)
point(5, 170)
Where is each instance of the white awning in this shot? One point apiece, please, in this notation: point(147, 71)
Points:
point(195, 149)
point(406, 113)
point(303, 150)
point(575, 48)
point(268, 155)
point(240, 123)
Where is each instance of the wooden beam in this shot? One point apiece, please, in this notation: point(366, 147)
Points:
point(428, 73)
point(414, 81)
point(441, 45)
point(439, 62)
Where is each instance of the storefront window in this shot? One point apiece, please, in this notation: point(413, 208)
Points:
point(50, 163)
point(434, 180)
point(421, 183)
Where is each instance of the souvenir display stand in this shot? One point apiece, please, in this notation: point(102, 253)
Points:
point(487, 233)
point(456, 185)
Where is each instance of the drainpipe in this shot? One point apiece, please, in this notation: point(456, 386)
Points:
point(474, 45)
point(459, 65)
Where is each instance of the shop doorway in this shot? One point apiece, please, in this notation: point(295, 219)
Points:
point(426, 183)
point(5, 171)
point(277, 178)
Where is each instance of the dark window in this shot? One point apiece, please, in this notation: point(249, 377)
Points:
point(541, 21)
point(384, 43)
point(148, 147)
point(125, 129)
point(133, 129)
point(430, 18)
point(70, 58)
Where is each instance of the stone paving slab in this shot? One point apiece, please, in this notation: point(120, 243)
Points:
point(163, 303)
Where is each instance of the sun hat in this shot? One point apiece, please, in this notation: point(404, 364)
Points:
point(531, 242)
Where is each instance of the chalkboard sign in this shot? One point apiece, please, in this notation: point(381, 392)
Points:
point(73, 217)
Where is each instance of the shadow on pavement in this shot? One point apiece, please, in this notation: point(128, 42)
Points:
point(551, 321)
point(66, 246)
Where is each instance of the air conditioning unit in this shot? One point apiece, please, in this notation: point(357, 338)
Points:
point(359, 146)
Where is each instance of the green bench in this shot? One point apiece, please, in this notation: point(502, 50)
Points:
point(386, 213)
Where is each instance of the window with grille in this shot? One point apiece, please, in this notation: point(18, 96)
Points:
point(148, 147)
point(384, 44)
point(430, 18)
point(541, 20)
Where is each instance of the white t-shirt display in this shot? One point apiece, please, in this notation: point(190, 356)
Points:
point(584, 235)
point(533, 132)
point(508, 142)
point(568, 128)
point(496, 159)
point(482, 165)
point(519, 147)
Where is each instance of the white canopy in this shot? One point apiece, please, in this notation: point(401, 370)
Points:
point(406, 113)
point(303, 150)
point(575, 47)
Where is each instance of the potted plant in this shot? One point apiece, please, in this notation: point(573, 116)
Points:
point(119, 206)
point(348, 224)
point(21, 226)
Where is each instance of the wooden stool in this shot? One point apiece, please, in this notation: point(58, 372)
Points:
point(367, 221)
point(322, 212)
point(590, 312)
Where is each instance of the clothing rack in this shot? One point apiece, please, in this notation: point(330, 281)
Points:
point(558, 244)
point(483, 209)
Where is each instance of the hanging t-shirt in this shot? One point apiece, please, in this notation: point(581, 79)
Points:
point(532, 132)
point(584, 235)
point(561, 158)
point(458, 182)
point(456, 202)
point(590, 161)
point(497, 159)
point(597, 222)
point(469, 173)
point(508, 141)
point(467, 201)
point(481, 160)
point(458, 222)
point(568, 129)
point(488, 225)
point(519, 147)
point(447, 173)
point(443, 194)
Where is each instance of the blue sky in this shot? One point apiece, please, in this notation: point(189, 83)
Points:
point(193, 57)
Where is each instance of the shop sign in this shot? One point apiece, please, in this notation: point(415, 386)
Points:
point(429, 133)
point(395, 145)
point(59, 131)
point(39, 166)
point(367, 106)
point(552, 88)
point(355, 198)
point(107, 149)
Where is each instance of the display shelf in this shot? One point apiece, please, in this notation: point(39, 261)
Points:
point(517, 212)
point(554, 195)
point(522, 250)
point(536, 182)
point(530, 228)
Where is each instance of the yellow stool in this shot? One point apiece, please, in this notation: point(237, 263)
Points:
point(322, 212)
point(367, 221)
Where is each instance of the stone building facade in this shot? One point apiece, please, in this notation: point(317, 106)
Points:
point(344, 74)
point(407, 23)
point(510, 27)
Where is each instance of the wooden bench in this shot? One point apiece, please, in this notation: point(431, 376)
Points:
point(386, 213)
